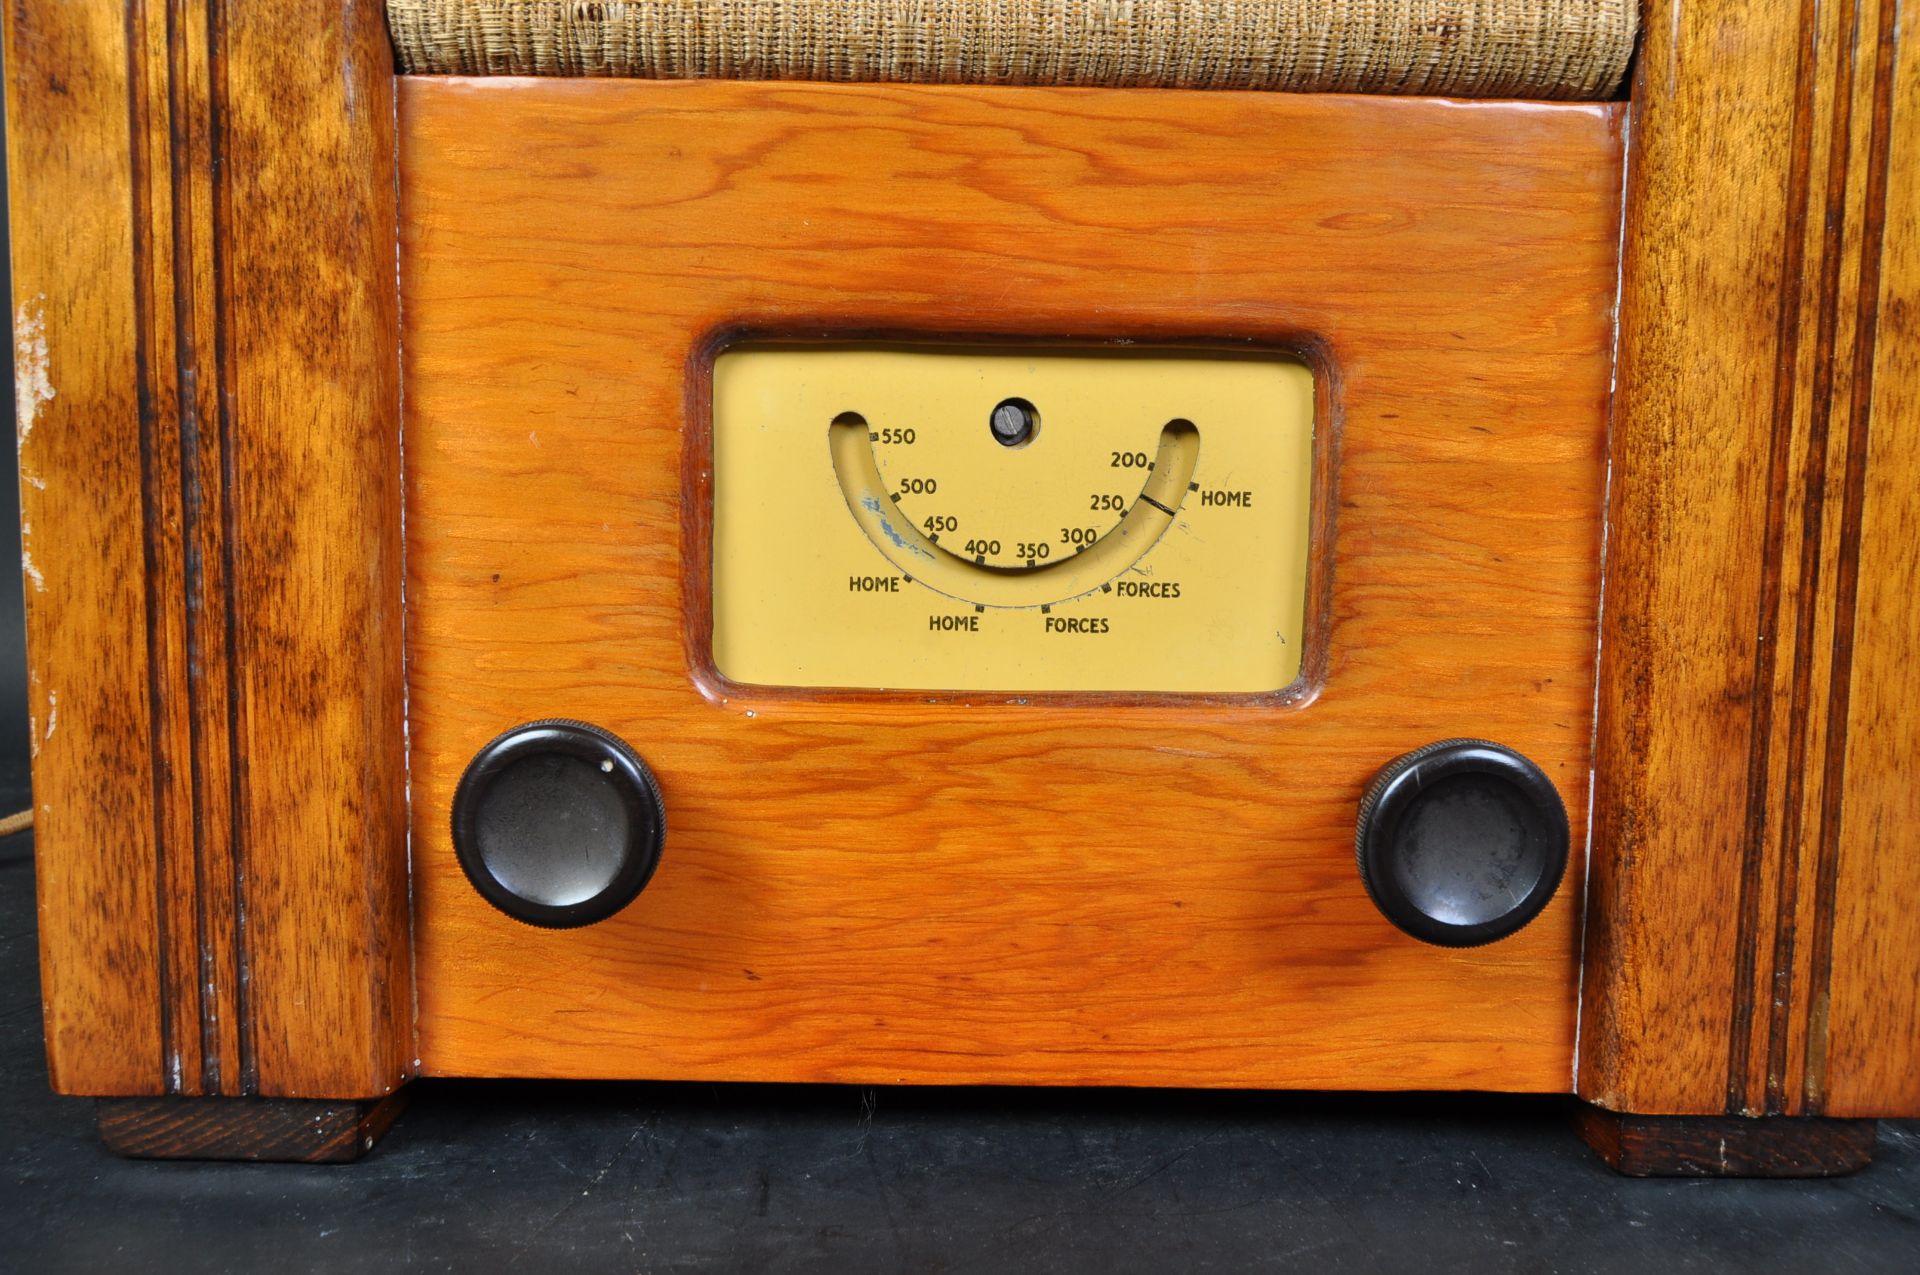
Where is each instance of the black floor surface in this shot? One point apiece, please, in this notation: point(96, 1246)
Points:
point(635, 1177)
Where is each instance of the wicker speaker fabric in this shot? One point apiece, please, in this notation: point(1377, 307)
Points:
point(1561, 49)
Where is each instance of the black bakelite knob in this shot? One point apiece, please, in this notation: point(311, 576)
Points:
point(1461, 842)
point(558, 823)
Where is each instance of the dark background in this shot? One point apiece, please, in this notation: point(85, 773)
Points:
point(486, 1175)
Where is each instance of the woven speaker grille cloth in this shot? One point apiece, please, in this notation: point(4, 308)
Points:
point(1463, 48)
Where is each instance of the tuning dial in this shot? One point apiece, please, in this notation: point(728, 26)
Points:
point(558, 823)
point(1461, 842)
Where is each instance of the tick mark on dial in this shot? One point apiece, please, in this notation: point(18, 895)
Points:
point(1094, 559)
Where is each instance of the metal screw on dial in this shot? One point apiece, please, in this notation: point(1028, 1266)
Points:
point(1013, 422)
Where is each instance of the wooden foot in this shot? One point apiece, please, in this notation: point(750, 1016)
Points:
point(297, 1130)
point(1726, 1146)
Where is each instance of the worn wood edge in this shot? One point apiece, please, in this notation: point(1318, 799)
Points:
point(207, 313)
point(72, 165)
point(283, 1130)
point(1644, 1146)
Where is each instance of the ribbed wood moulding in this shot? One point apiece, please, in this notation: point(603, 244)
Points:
point(1569, 49)
point(1751, 945)
point(208, 442)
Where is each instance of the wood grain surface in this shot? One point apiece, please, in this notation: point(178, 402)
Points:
point(312, 335)
point(977, 890)
point(1872, 962)
point(206, 334)
point(1751, 948)
point(284, 1130)
point(1727, 1146)
point(82, 453)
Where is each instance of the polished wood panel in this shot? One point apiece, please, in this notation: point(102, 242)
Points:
point(976, 889)
point(1727, 1146)
point(1740, 676)
point(204, 250)
point(286, 1130)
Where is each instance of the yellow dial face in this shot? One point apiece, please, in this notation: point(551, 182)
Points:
point(1020, 520)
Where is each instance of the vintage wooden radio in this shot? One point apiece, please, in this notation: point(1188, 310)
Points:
point(871, 542)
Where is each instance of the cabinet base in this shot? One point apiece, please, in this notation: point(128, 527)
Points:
point(323, 1131)
point(294, 1130)
point(1726, 1146)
